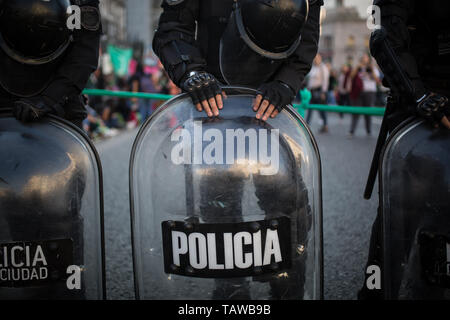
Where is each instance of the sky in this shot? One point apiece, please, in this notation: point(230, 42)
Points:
point(360, 4)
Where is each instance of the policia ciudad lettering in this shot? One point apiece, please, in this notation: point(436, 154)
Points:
point(23, 263)
point(206, 46)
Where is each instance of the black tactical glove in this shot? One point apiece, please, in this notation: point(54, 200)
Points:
point(35, 108)
point(433, 108)
point(201, 86)
point(271, 99)
point(277, 94)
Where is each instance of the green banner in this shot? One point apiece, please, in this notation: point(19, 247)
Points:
point(120, 59)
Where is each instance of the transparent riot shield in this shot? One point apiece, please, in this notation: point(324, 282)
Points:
point(415, 197)
point(226, 208)
point(51, 212)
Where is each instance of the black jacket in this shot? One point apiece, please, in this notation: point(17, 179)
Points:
point(419, 33)
point(178, 23)
point(79, 62)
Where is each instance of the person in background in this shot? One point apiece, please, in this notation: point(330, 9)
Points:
point(304, 100)
point(138, 81)
point(93, 125)
point(96, 81)
point(344, 86)
point(109, 103)
point(332, 85)
point(123, 107)
point(92, 121)
point(370, 78)
point(318, 84)
point(148, 85)
point(164, 86)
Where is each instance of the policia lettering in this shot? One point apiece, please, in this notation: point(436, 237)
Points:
point(205, 256)
point(226, 250)
point(26, 264)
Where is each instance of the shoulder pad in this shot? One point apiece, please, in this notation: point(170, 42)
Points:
point(90, 18)
point(85, 2)
point(173, 2)
point(315, 2)
point(378, 2)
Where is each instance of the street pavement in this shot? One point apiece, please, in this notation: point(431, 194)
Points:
point(347, 216)
point(115, 157)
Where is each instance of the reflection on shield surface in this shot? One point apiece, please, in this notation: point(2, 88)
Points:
point(415, 191)
point(51, 212)
point(226, 208)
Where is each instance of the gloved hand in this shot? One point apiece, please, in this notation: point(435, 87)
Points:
point(271, 99)
point(435, 109)
point(35, 108)
point(205, 91)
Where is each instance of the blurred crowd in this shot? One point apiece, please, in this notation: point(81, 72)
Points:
point(355, 84)
point(108, 115)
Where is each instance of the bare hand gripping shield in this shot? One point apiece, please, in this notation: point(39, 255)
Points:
point(51, 212)
point(226, 208)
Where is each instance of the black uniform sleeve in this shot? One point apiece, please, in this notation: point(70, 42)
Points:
point(295, 69)
point(395, 15)
point(175, 42)
point(82, 56)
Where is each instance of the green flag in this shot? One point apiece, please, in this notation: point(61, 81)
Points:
point(120, 58)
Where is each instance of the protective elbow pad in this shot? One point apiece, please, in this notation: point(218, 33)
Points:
point(179, 58)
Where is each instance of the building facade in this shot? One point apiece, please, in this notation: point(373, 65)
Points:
point(139, 28)
point(156, 11)
point(114, 20)
point(360, 5)
point(345, 34)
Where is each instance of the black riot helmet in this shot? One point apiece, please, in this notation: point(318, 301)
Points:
point(259, 36)
point(34, 36)
point(271, 27)
point(34, 31)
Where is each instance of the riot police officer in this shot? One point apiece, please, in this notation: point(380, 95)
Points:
point(48, 49)
point(242, 43)
point(205, 43)
point(412, 48)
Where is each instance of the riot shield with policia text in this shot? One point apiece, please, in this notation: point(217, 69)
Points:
point(226, 208)
point(51, 212)
point(415, 203)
